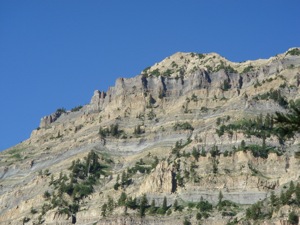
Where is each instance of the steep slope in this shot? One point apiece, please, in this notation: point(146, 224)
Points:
point(161, 133)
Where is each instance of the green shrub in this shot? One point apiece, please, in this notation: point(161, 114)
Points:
point(79, 184)
point(60, 111)
point(152, 209)
point(275, 95)
point(103, 210)
point(76, 108)
point(113, 130)
point(200, 56)
point(226, 153)
point(146, 69)
point(169, 212)
point(195, 153)
point(131, 203)
point(46, 194)
point(143, 205)
point(155, 72)
point(26, 219)
point(255, 211)
point(167, 73)
point(198, 216)
point(174, 64)
point(293, 218)
point(187, 221)
point(294, 51)
point(151, 115)
point(248, 69)
point(164, 208)
point(226, 68)
point(229, 213)
point(215, 151)
point(183, 126)
point(203, 152)
point(234, 222)
point(16, 156)
point(204, 206)
point(33, 210)
point(178, 146)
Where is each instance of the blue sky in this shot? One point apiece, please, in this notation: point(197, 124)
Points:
point(55, 53)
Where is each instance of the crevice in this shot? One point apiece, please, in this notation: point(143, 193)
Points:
point(174, 182)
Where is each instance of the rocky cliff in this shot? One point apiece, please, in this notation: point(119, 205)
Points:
point(160, 134)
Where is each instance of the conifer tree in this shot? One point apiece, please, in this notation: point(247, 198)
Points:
point(103, 210)
point(288, 124)
point(143, 205)
point(273, 199)
point(175, 205)
point(152, 207)
point(297, 192)
point(293, 218)
point(122, 199)
point(110, 204)
point(164, 206)
point(220, 198)
point(283, 199)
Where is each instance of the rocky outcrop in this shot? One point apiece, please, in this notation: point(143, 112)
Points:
point(97, 101)
point(161, 180)
point(47, 120)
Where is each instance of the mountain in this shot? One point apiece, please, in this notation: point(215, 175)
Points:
point(192, 139)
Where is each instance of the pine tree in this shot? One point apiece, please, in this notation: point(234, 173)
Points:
point(254, 212)
point(164, 206)
point(110, 204)
point(152, 207)
point(124, 178)
point(220, 198)
point(283, 199)
point(290, 191)
point(293, 218)
point(187, 221)
point(131, 203)
point(297, 192)
point(203, 152)
point(288, 124)
point(292, 186)
point(51, 179)
point(175, 205)
point(103, 210)
point(195, 153)
point(243, 145)
point(116, 185)
point(273, 199)
point(122, 199)
point(198, 216)
point(143, 205)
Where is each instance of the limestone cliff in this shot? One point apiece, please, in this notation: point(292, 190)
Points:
point(159, 133)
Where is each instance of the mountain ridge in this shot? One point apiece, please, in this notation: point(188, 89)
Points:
point(177, 102)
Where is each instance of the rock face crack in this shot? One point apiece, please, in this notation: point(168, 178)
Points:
point(164, 90)
point(174, 182)
point(240, 82)
point(144, 82)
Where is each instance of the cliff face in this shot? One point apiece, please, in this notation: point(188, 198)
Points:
point(162, 115)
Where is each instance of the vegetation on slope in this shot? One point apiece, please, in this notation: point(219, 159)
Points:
point(69, 189)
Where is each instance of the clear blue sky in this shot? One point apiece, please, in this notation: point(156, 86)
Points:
point(55, 53)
